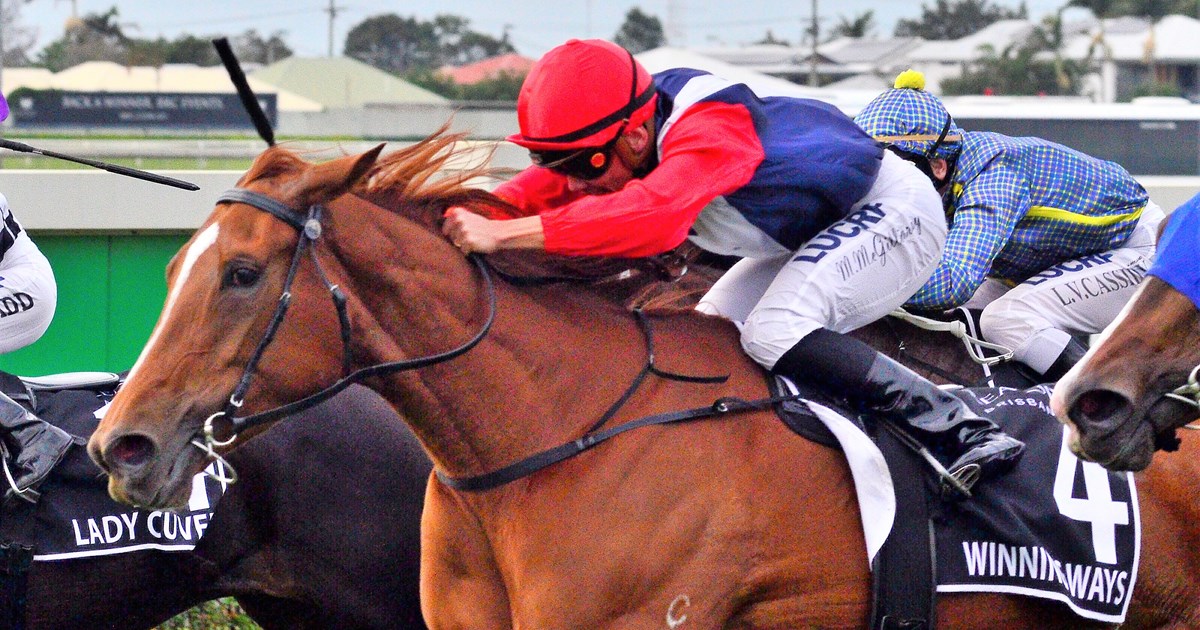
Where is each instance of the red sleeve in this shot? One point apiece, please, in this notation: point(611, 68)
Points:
point(533, 191)
point(710, 151)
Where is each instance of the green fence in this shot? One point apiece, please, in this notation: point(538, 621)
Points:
point(110, 291)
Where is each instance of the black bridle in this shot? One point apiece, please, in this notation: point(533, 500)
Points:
point(309, 230)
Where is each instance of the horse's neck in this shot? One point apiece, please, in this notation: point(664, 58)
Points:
point(551, 364)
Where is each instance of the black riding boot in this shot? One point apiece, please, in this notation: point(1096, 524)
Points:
point(969, 446)
point(1071, 355)
point(31, 447)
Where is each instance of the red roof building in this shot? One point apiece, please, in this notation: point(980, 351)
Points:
point(491, 68)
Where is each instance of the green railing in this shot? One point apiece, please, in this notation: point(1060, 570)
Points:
point(110, 291)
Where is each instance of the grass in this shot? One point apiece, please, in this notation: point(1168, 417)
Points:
point(224, 614)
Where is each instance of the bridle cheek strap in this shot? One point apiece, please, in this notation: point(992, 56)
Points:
point(309, 230)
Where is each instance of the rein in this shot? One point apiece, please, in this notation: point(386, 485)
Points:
point(959, 329)
point(309, 230)
point(594, 435)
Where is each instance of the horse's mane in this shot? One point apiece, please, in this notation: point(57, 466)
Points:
point(418, 175)
point(435, 173)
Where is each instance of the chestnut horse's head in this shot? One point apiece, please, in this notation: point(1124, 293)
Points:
point(223, 289)
point(1137, 385)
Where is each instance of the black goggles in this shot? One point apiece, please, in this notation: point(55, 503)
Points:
point(587, 163)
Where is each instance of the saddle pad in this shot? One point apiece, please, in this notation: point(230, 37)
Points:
point(75, 518)
point(1055, 527)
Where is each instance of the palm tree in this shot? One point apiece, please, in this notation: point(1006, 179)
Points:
point(1102, 10)
point(859, 25)
point(1153, 11)
point(1049, 36)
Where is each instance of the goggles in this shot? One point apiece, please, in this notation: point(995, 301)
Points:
point(587, 164)
point(921, 160)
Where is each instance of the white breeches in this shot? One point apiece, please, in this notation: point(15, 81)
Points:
point(1037, 318)
point(852, 273)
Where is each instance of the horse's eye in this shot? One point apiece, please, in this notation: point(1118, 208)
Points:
point(241, 277)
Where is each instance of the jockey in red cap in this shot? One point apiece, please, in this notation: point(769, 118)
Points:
point(833, 231)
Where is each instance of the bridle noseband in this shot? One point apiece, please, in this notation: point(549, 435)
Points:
point(310, 230)
point(1188, 393)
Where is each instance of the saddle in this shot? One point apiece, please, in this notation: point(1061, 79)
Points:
point(903, 593)
point(1023, 532)
point(38, 395)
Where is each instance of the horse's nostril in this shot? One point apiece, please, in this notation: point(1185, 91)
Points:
point(1098, 405)
point(130, 450)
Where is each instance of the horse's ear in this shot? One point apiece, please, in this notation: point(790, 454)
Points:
point(334, 178)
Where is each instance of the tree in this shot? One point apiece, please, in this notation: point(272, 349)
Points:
point(459, 45)
point(1102, 10)
point(770, 40)
point(859, 25)
point(96, 37)
point(1050, 37)
point(1153, 11)
point(1023, 69)
point(955, 20)
point(192, 49)
point(640, 32)
point(403, 45)
point(504, 87)
point(393, 43)
point(251, 47)
point(17, 39)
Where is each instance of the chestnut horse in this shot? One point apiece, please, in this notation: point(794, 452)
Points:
point(713, 523)
point(1127, 396)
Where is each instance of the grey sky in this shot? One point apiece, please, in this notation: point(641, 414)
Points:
point(535, 25)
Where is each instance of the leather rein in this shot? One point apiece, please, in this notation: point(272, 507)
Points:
point(310, 229)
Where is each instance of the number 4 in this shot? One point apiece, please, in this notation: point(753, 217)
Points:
point(1098, 508)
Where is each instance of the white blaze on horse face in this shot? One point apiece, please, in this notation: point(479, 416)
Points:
point(203, 241)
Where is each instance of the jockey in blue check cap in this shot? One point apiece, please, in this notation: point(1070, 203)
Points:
point(1049, 242)
point(30, 447)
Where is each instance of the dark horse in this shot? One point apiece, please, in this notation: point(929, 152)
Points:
point(707, 524)
point(321, 531)
point(1127, 396)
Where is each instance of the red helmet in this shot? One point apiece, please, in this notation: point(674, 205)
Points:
point(580, 94)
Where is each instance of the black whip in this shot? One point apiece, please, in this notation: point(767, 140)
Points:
point(249, 101)
point(112, 168)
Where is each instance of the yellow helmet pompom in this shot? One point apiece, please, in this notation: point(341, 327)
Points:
point(910, 79)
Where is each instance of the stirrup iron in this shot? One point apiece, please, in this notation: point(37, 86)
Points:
point(960, 481)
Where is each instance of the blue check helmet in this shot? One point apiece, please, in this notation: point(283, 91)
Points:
point(912, 120)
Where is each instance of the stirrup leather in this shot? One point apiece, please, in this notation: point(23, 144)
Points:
point(953, 484)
